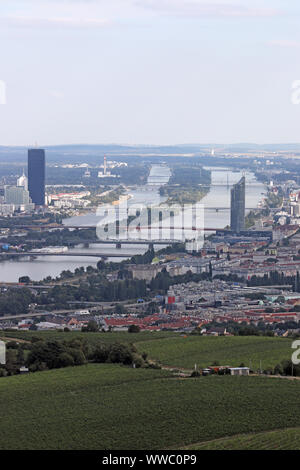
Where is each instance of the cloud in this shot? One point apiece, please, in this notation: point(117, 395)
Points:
point(206, 8)
point(284, 43)
point(56, 22)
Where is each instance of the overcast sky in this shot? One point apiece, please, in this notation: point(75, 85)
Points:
point(149, 71)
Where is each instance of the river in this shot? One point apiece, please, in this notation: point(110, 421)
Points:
point(219, 196)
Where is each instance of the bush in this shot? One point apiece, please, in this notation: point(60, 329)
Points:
point(195, 373)
point(78, 357)
point(137, 361)
point(100, 354)
point(134, 329)
point(65, 360)
point(38, 367)
point(92, 327)
point(12, 345)
point(278, 370)
point(55, 354)
point(120, 353)
point(117, 353)
point(153, 365)
point(3, 373)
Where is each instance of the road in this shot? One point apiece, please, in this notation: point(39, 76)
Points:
point(106, 305)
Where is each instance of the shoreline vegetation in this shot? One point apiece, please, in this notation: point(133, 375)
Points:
point(183, 194)
point(272, 201)
point(187, 185)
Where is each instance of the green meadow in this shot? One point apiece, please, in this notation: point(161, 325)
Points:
point(186, 351)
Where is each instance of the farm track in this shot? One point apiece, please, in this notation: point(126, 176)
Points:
point(17, 340)
point(275, 439)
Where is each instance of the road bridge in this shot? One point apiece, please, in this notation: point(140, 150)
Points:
point(131, 228)
point(73, 254)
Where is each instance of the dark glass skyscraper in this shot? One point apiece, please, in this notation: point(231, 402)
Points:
point(36, 176)
point(237, 207)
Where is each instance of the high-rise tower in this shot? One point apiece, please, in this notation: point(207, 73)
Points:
point(237, 207)
point(36, 176)
point(23, 181)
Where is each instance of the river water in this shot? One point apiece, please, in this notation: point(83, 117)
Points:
point(219, 196)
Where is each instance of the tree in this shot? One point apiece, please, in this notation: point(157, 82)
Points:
point(92, 327)
point(11, 361)
point(134, 329)
point(100, 354)
point(65, 360)
point(210, 270)
point(278, 370)
point(120, 309)
point(121, 353)
point(24, 280)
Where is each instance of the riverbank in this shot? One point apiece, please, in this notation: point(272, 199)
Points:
point(183, 194)
point(218, 196)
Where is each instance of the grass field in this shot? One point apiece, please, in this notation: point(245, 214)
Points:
point(114, 407)
point(176, 350)
point(92, 338)
point(187, 351)
point(172, 349)
point(283, 439)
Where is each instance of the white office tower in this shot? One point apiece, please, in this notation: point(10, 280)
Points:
point(23, 181)
point(19, 197)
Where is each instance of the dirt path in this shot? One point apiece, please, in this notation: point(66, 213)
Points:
point(288, 377)
point(17, 340)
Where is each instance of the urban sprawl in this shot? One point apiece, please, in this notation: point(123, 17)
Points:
point(245, 274)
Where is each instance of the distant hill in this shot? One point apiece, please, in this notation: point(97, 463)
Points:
point(92, 153)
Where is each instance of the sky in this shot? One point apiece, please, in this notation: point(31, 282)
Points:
point(149, 71)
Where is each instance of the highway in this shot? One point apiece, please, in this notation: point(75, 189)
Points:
point(105, 305)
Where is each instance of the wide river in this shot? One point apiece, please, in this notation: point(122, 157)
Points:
point(219, 196)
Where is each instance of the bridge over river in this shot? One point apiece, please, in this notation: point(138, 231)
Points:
point(86, 254)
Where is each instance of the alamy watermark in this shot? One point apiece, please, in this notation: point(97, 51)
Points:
point(295, 95)
point(2, 352)
point(150, 223)
point(2, 92)
point(296, 354)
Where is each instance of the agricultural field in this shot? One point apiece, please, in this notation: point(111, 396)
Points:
point(92, 338)
point(114, 407)
point(183, 351)
point(186, 351)
point(283, 439)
